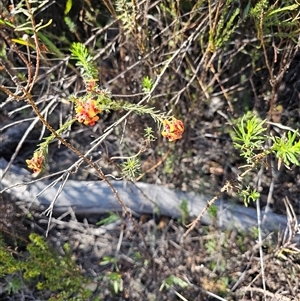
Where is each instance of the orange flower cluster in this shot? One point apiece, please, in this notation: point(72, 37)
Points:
point(172, 129)
point(86, 112)
point(37, 162)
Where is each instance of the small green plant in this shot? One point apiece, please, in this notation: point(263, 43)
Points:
point(43, 269)
point(184, 211)
point(173, 281)
point(287, 149)
point(110, 260)
point(241, 242)
point(147, 84)
point(249, 195)
point(211, 246)
point(115, 280)
point(131, 168)
point(149, 134)
point(249, 136)
point(114, 277)
point(13, 286)
point(213, 212)
point(112, 217)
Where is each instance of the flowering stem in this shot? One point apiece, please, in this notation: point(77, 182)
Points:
point(50, 138)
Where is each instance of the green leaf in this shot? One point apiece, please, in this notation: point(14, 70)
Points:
point(282, 9)
point(287, 148)
point(113, 217)
point(147, 84)
point(40, 26)
point(247, 135)
point(68, 7)
point(173, 280)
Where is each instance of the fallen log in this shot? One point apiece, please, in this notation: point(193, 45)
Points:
point(89, 198)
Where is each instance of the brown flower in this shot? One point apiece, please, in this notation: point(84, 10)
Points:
point(37, 162)
point(172, 129)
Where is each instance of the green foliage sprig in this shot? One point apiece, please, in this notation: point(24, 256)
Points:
point(46, 270)
point(84, 60)
point(248, 136)
point(259, 8)
point(131, 168)
point(249, 195)
point(267, 17)
point(147, 84)
point(228, 22)
point(286, 149)
point(224, 24)
point(127, 15)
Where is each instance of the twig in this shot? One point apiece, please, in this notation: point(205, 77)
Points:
point(259, 223)
point(192, 225)
point(267, 293)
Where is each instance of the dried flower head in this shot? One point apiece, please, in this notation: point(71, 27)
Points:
point(36, 163)
point(172, 129)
